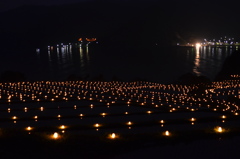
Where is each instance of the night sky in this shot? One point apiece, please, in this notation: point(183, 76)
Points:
point(10, 4)
point(156, 20)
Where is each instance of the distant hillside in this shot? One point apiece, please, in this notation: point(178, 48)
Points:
point(230, 67)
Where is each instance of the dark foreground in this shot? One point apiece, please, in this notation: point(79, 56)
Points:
point(194, 144)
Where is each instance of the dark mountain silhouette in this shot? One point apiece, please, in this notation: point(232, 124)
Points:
point(230, 67)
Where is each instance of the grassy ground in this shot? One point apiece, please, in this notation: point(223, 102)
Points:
point(16, 144)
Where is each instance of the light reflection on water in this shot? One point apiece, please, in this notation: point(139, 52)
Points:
point(197, 62)
point(160, 64)
point(209, 60)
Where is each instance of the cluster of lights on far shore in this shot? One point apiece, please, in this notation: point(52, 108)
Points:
point(222, 41)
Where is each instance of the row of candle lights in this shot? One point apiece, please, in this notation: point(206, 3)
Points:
point(58, 117)
point(56, 135)
point(129, 124)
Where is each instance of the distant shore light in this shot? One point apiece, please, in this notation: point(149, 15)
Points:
point(198, 45)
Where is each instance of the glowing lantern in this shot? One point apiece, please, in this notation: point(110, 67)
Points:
point(219, 129)
point(129, 123)
point(149, 112)
point(103, 114)
point(29, 128)
point(62, 127)
point(193, 119)
point(223, 116)
point(112, 136)
point(97, 125)
point(55, 135)
point(167, 133)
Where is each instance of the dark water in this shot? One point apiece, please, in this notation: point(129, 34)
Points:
point(160, 64)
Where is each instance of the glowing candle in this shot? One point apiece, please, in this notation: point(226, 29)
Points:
point(103, 114)
point(149, 112)
point(193, 119)
point(167, 133)
point(29, 128)
point(96, 125)
point(223, 116)
point(112, 136)
point(55, 135)
point(62, 127)
point(219, 129)
point(129, 123)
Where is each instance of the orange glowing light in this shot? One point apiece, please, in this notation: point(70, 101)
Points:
point(29, 128)
point(55, 135)
point(219, 129)
point(113, 136)
point(129, 123)
point(62, 127)
point(97, 125)
point(167, 133)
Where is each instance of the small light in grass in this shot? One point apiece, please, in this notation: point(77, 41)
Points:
point(29, 128)
point(219, 129)
point(55, 135)
point(149, 112)
point(81, 115)
point(193, 119)
point(103, 114)
point(97, 125)
point(223, 116)
point(112, 136)
point(129, 123)
point(167, 133)
point(62, 127)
